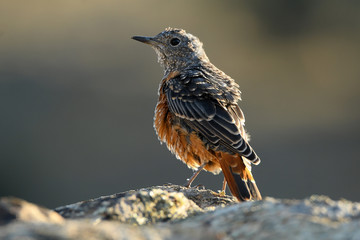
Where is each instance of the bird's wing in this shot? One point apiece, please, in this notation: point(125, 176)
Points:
point(195, 102)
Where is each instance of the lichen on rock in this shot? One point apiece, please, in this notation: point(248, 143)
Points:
point(178, 213)
point(157, 205)
point(147, 205)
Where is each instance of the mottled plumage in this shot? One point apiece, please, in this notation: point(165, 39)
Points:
point(197, 114)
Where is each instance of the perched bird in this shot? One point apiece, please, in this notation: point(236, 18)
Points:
point(197, 114)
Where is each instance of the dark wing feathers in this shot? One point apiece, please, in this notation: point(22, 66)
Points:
point(224, 115)
point(194, 100)
point(205, 108)
point(211, 136)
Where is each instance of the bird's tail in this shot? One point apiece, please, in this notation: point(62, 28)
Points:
point(239, 178)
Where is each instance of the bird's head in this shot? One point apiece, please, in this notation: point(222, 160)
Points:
point(175, 48)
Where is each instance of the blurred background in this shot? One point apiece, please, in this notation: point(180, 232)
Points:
point(77, 95)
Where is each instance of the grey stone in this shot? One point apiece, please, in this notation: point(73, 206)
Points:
point(12, 208)
point(174, 212)
point(147, 205)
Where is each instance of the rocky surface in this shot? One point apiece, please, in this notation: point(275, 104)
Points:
point(17, 209)
point(147, 205)
point(174, 212)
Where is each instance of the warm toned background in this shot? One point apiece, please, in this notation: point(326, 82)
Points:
point(77, 94)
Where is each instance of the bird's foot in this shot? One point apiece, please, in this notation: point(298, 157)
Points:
point(188, 185)
point(221, 193)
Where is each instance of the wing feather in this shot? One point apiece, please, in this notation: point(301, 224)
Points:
point(220, 124)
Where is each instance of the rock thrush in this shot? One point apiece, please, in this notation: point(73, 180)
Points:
point(197, 114)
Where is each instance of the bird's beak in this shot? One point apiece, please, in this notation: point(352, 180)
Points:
point(147, 40)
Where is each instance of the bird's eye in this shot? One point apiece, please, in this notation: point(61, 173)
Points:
point(174, 41)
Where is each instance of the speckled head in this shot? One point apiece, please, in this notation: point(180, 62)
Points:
point(175, 48)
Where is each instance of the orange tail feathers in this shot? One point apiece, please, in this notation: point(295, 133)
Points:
point(239, 178)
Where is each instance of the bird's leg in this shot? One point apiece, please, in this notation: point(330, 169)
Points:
point(190, 180)
point(222, 193)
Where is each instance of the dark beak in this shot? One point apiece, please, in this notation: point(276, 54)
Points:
point(147, 40)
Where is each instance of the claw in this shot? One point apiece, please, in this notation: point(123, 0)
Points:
point(200, 186)
point(221, 193)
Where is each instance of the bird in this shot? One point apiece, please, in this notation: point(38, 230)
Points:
point(197, 114)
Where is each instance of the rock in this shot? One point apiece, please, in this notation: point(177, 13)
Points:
point(317, 217)
point(174, 212)
point(147, 205)
point(12, 208)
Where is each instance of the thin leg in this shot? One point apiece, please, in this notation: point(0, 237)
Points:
point(222, 193)
point(190, 180)
point(224, 185)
